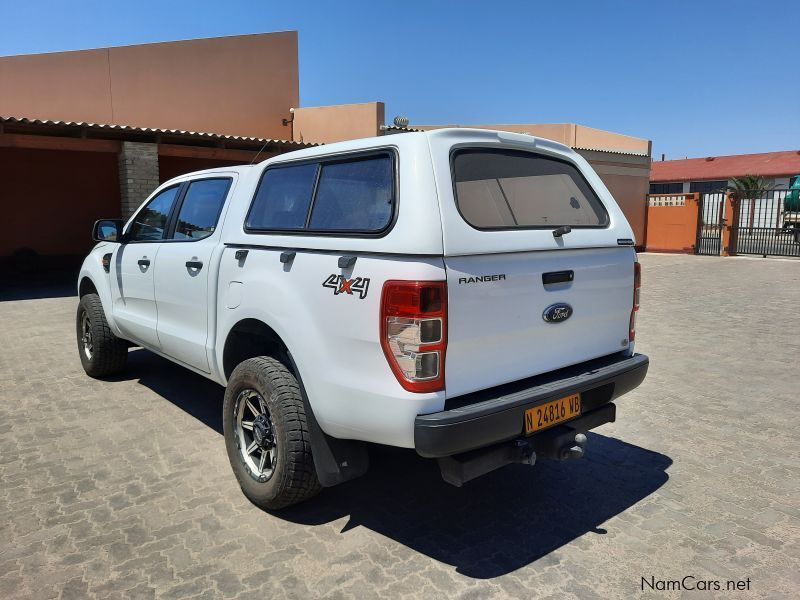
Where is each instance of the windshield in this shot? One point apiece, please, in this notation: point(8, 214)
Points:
point(511, 189)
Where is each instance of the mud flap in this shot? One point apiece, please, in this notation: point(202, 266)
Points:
point(335, 460)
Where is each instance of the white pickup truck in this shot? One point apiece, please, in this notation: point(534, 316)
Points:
point(468, 294)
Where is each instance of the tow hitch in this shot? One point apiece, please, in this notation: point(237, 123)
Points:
point(575, 451)
point(562, 442)
point(562, 447)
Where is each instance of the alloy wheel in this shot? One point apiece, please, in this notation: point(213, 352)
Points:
point(86, 336)
point(255, 434)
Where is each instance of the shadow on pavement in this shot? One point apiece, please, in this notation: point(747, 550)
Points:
point(492, 526)
point(54, 284)
point(192, 393)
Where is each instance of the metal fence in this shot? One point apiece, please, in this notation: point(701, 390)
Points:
point(768, 224)
point(712, 218)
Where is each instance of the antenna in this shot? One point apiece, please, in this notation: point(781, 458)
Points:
point(259, 152)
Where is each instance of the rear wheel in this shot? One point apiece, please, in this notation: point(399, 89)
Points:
point(266, 434)
point(101, 352)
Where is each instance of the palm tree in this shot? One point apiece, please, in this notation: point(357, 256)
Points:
point(748, 187)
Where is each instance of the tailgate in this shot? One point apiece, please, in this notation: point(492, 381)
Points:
point(514, 209)
point(497, 332)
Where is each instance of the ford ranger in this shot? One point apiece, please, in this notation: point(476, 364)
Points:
point(468, 294)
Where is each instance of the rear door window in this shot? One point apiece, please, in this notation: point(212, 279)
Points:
point(511, 189)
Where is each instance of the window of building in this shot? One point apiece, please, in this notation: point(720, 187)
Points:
point(707, 187)
point(200, 208)
point(512, 189)
point(666, 188)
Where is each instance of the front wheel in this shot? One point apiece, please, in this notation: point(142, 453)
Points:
point(266, 435)
point(101, 352)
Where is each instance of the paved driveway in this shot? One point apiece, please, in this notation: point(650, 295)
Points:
point(122, 488)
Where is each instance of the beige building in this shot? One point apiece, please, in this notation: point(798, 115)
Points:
point(621, 161)
point(89, 134)
point(195, 85)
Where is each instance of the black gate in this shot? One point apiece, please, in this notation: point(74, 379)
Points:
point(768, 223)
point(709, 230)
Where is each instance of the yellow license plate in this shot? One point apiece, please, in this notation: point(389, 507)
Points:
point(552, 413)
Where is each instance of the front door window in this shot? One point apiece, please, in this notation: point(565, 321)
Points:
point(150, 223)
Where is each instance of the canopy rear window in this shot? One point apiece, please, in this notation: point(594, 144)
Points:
point(511, 189)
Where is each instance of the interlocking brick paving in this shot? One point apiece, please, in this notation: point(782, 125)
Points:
point(122, 488)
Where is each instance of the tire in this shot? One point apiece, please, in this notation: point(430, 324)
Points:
point(286, 474)
point(103, 353)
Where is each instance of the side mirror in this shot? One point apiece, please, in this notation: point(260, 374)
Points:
point(107, 230)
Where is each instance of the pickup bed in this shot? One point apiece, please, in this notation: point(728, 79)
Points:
point(468, 294)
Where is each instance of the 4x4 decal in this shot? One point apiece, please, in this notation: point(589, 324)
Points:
point(340, 285)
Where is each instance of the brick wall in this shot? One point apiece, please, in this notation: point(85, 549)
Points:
point(138, 174)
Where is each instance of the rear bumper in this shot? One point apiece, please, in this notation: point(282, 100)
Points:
point(496, 415)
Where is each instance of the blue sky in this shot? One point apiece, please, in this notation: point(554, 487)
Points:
point(698, 78)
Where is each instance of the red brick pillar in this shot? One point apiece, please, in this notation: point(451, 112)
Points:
point(138, 174)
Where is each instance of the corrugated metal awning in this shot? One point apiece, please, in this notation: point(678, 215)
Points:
point(100, 130)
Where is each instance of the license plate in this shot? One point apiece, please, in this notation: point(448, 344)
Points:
point(552, 413)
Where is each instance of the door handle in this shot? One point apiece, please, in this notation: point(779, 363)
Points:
point(557, 277)
point(194, 264)
point(144, 262)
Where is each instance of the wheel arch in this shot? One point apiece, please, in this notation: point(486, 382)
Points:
point(92, 279)
point(335, 460)
point(86, 286)
point(251, 337)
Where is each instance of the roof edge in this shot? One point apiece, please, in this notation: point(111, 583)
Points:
point(181, 41)
point(149, 130)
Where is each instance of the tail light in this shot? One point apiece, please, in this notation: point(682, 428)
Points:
point(414, 332)
point(637, 284)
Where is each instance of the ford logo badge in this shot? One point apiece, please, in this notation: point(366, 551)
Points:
point(555, 313)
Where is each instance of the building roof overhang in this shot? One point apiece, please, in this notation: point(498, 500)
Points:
point(717, 168)
point(98, 131)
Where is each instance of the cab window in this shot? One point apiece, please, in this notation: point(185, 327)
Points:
point(201, 208)
point(150, 223)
